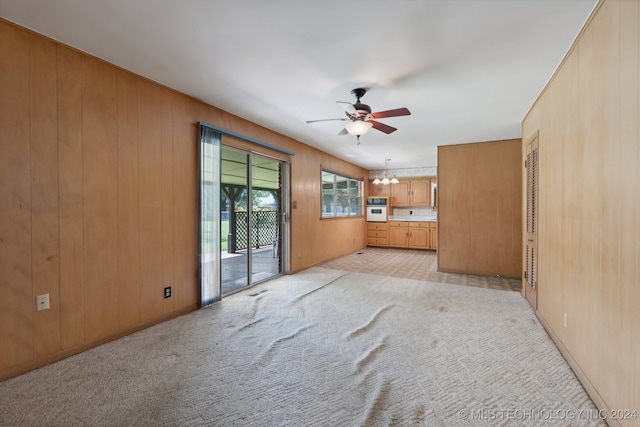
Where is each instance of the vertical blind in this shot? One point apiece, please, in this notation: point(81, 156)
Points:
point(209, 234)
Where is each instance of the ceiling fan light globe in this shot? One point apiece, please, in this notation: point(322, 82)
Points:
point(358, 127)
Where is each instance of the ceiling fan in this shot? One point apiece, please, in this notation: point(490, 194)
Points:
point(360, 118)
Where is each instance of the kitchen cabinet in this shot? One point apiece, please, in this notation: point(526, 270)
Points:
point(415, 235)
point(379, 190)
point(377, 234)
point(414, 192)
point(433, 235)
point(419, 237)
point(399, 234)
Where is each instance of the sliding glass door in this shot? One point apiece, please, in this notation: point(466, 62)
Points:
point(252, 218)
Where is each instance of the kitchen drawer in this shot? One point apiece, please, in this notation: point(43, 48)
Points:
point(377, 233)
point(377, 226)
point(419, 224)
point(377, 241)
point(398, 223)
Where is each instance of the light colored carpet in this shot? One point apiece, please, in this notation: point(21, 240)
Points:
point(323, 347)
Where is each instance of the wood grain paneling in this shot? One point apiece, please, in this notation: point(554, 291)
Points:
point(129, 271)
point(150, 200)
point(166, 180)
point(187, 287)
point(45, 256)
point(589, 135)
point(100, 177)
point(480, 208)
point(16, 304)
point(70, 181)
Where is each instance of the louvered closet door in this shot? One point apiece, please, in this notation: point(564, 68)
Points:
point(531, 262)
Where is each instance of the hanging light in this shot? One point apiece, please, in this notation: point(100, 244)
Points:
point(358, 127)
point(385, 179)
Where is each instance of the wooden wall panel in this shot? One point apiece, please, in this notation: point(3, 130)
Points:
point(128, 125)
point(45, 257)
point(629, 199)
point(100, 179)
point(480, 208)
point(150, 201)
point(587, 118)
point(185, 156)
point(70, 181)
point(168, 198)
point(16, 304)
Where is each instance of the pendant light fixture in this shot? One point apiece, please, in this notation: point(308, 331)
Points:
point(385, 179)
point(358, 127)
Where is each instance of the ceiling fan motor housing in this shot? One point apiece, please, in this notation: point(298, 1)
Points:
point(361, 109)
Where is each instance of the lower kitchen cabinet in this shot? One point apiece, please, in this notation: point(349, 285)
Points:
point(416, 235)
point(399, 234)
point(433, 232)
point(419, 237)
point(377, 234)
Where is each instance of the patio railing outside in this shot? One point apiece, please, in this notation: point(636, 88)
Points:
point(265, 229)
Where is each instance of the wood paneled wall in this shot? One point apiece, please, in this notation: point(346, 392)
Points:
point(98, 200)
point(588, 119)
point(480, 208)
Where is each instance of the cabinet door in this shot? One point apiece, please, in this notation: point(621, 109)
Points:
point(420, 193)
point(434, 238)
point(399, 236)
point(419, 238)
point(378, 190)
point(400, 193)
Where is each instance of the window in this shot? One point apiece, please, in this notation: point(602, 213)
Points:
point(341, 195)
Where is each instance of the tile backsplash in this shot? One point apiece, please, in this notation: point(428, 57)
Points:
point(417, 211)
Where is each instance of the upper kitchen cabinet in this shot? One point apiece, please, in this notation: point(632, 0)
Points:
point(379, 190)
point(411, 192)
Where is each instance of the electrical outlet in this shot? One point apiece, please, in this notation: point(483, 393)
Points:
point(167, 292)
point(566, 320)
point(42, 302)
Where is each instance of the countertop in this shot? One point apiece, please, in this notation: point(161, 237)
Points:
point(413, 218)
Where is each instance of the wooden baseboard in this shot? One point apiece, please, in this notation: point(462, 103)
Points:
point(582, 377)
point(67, 352)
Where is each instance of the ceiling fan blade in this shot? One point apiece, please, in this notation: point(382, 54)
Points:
point(344, 119)
point(349, 108)
point(382, 127)
point(391, 113)
point(343, 132)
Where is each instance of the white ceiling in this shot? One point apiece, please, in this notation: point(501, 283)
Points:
point(468, 70)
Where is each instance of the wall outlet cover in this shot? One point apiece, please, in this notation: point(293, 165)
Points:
point(42, 302)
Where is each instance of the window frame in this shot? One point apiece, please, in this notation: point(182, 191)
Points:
point(334, 213)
